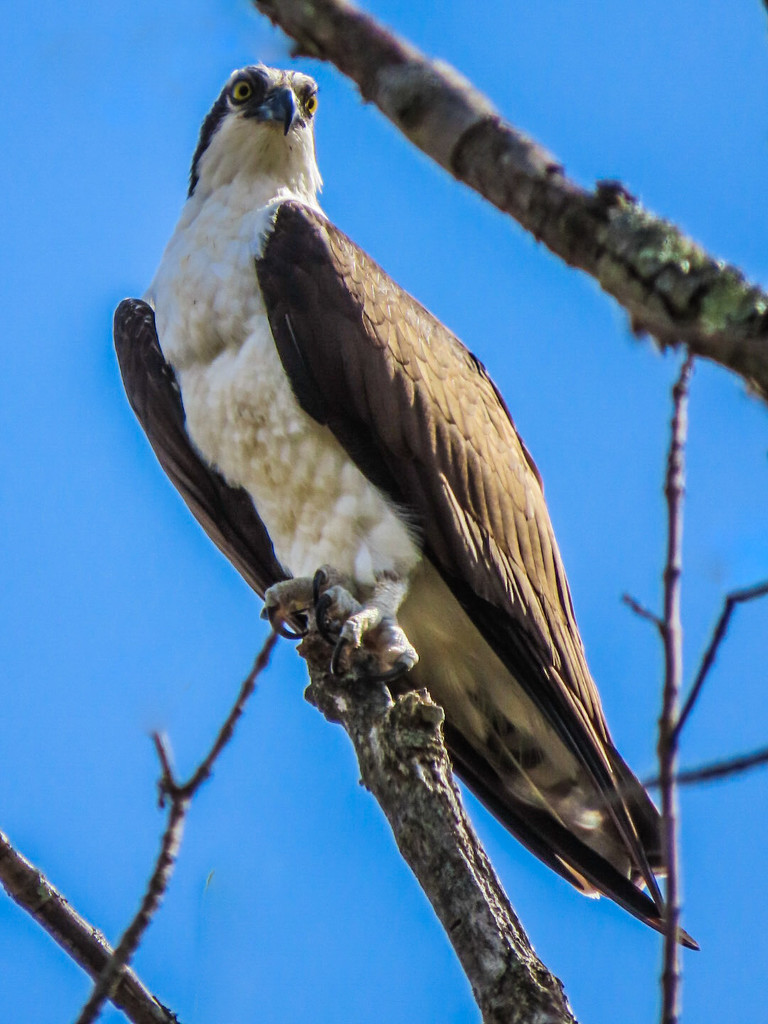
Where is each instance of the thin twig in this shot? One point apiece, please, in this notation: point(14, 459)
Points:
point(716, 770)
point(180, 796)
point(718, 635)
point(225, 733)
point(643, 612)
point(156, 888)
point(674, 490)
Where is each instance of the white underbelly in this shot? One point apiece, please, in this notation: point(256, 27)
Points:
point(241, 412)
point(315, 503)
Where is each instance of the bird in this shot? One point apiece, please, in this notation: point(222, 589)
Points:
point(358, 466)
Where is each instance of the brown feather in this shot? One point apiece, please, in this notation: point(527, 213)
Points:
point(419, 415)
point(226, 513)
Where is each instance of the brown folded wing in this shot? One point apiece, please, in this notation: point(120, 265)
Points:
point(226, 513)
point(419, 415)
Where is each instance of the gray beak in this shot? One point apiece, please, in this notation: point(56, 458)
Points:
point(280, 105)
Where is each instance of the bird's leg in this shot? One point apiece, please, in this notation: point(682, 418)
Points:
point(371, 638)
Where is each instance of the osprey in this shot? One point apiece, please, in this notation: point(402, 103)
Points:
point(313, 414)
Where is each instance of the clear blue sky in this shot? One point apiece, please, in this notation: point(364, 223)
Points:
point(290, 902)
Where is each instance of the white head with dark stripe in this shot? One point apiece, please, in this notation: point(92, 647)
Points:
point(260, 127)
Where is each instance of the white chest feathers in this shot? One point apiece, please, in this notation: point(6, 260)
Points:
point(241, 412)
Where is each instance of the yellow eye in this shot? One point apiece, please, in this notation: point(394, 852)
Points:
point(241, 91)
point(310, 104)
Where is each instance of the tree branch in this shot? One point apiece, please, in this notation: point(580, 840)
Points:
point(669, 286)
point(32, 891)
point(672, 634)
point(404, 764)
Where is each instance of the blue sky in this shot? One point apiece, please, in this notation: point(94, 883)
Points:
point(118, 617)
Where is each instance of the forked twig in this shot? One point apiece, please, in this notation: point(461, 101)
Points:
point(180, 796)
point(672, 720)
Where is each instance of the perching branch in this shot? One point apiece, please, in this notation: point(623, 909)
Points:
point(180, 796)
point(32, 891)
point(404, 764)
point(668, 285)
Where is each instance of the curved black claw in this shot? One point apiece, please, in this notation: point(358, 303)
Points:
point(277, 623)
point(341, 645)
point(392, 674)
point(322, 605)
point(320, 579)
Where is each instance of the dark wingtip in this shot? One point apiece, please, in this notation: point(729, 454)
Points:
point(657, 923)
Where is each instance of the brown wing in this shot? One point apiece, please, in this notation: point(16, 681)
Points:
point(419, 415)
point(226, 513)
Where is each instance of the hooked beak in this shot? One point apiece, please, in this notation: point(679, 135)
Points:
point(279, 105)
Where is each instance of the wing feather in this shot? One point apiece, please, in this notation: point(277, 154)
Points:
point(429, 406)
point(226, 513)
point(420, 416)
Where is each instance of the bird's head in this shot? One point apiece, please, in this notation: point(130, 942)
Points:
point(261, 127)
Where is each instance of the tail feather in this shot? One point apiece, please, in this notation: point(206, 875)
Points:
point(557, 846)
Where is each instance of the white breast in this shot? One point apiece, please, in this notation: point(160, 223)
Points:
point(241, 412)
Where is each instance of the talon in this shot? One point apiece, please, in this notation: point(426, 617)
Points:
point(277, 623)
point(404, 666)
point(319, 580)
point(322, 607)
point(341, 645)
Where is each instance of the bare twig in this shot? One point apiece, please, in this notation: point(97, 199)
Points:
point(404, 764)
point(188, 789)
point(153, 895)
point(180, 795)
point(718, 635)
point(674, 490)
point(643, 612)
point(32, 891)
point(669, 286)
point(716, 770)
